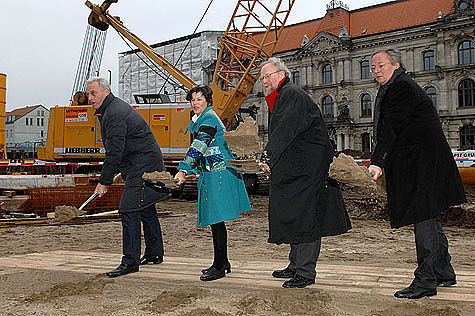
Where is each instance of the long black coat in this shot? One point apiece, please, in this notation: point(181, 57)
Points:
point(300, 155)
point(422, 178)
point(132, 150)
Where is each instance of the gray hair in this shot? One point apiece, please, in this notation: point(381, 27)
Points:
point(276, 61)
point(103, 83)
point(394, 54)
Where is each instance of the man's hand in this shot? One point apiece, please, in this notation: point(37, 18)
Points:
point(375, 172)
point(264, 167)
point(180, 177)
point(101, 189)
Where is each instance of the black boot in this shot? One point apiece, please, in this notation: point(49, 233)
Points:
point(213, 274)
point(152, 259)
point(227, 268)
point(123, 269)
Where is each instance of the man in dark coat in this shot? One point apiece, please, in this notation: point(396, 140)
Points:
point(131, 149)
point(300, 154)
point(422, 178)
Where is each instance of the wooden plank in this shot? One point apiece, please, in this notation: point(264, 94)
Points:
point(340, 277)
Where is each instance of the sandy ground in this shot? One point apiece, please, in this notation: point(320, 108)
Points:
point(372, 243)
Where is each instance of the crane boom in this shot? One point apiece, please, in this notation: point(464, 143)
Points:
point(250, 38)
point(101, 19)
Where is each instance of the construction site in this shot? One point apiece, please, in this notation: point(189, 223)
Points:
point(59, 239)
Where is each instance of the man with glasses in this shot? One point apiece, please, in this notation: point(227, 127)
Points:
point(299, 156)
point(422, 179)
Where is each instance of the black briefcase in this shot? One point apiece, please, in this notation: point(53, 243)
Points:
point(334, 218)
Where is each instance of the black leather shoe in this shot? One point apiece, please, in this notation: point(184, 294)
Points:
point(123, 269)
point(227, 268)
point(153, 259)
point(414, 292)
point(283, 274)
point(446, 283)
point(298, 281)
point(213, 274)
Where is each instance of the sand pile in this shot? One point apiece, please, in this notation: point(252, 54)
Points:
point(364, 198)
point(64, 212)
point(162, 178)
point(244, 141)
point(156, 176)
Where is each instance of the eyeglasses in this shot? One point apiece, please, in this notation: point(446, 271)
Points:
point(267, 76)
point(373, 68)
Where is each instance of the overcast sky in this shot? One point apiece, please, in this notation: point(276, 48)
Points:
point(41, 41)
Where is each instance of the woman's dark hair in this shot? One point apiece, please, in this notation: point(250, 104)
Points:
point(205, 90)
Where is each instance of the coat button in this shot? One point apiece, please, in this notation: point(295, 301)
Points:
point(206, 191)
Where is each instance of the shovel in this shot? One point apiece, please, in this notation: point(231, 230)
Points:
point(89, 200)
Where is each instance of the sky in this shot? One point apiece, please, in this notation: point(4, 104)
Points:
point(41, 41)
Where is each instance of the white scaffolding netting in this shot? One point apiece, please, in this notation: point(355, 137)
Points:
point(197, 62)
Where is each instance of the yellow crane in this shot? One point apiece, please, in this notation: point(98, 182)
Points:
point(250, 38)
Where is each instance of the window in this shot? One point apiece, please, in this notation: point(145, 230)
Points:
point(467, 137)
point(466, 53)
point(327, 107)
point(466, 93)
point(27, 121)
point(37, 122)
point(432, 93)
point(364, 69)
point(327, 74)
point(296, 78)
point(42, 113)
point(42, 134)
point(42, 122)
point(365, 143)
point(366, 105)
point(429, 60)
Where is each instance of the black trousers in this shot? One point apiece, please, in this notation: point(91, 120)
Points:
point(131, 235)
point(433, 258)
point(303, 258)
point(220, 245)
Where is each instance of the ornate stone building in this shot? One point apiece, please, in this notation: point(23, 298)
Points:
point(329, 58)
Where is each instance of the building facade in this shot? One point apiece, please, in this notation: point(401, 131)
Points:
point(25, 130)
point(330, 59)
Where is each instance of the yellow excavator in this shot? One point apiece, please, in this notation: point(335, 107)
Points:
point(250, 38)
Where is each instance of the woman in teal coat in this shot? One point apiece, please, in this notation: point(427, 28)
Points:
point(221, 192)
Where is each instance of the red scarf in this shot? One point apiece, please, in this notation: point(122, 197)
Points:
point(270, 99)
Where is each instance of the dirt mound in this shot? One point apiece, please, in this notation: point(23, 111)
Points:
point(95, 285)
point(460, 216)
point(244, 141)
point(169, 300)
point(205, 312)
point(285, 302)
point(156, 176)
point(364, 198)
point(416, 310)
point(64, 212)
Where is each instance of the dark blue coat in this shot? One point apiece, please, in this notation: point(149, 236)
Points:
point(131, 149)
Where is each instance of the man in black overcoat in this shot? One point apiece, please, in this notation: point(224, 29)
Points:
point(422, 178)
point(300, 154)
point(131, 149)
